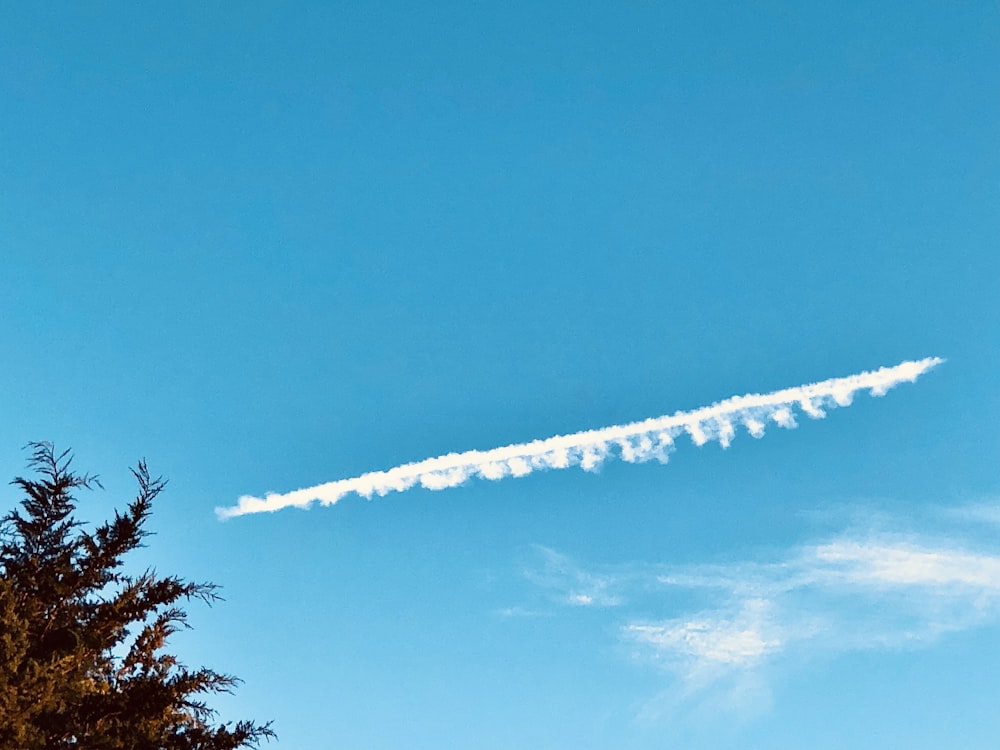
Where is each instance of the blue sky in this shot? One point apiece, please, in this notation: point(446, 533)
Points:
point(273, 246)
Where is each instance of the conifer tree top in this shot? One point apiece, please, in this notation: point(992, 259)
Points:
point(83, 644)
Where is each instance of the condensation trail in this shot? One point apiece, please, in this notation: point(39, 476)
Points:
point(636, 442)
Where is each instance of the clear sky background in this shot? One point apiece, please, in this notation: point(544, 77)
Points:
point(274, 245)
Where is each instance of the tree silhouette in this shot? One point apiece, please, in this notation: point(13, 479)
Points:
point(82, 643)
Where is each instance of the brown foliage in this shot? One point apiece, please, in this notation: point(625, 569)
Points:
point(82, 643)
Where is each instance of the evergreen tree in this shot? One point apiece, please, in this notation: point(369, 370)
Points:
point(82, 659)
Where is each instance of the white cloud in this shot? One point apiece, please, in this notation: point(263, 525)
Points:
point(651, 439)
point(731, 626)
point(569, 584)
point(510, 612)
point(844, 594)
point(898, 565)
point(707, 639)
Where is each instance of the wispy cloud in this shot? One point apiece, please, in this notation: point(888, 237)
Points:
point(729, 627)
point(651, 439)
point(710, 639)
point(849, 593)
point(520, 612)
point(567, 583)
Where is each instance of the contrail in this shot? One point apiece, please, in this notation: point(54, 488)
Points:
point(635, 442)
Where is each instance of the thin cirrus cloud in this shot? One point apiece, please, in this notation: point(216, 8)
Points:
point(637, 442)
point(570, 584)
point(727, 624)
point(848, 593)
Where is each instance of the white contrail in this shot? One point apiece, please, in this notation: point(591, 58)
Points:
point(635, 442)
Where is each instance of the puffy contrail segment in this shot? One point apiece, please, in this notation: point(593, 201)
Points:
point(636, 442)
